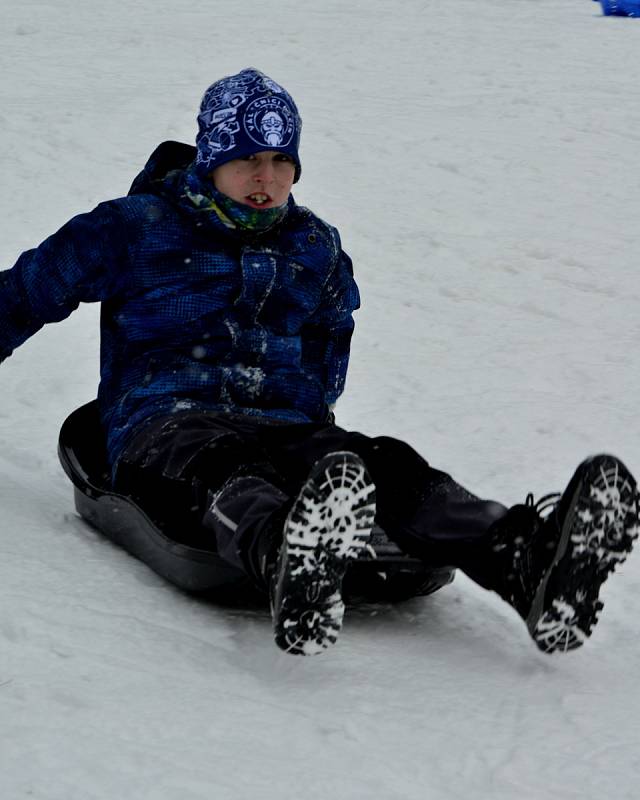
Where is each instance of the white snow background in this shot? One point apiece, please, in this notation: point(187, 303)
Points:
point(481, 161)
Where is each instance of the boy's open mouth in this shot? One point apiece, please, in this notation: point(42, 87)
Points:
point(258, 199)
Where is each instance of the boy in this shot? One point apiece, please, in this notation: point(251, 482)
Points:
point(226, 324)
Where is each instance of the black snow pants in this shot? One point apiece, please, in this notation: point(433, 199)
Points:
point(175, 466)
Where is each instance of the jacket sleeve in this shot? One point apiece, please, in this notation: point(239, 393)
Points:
point(83, 261)
point(328, 334)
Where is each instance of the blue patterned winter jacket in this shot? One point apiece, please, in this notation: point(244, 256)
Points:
point(194, 314)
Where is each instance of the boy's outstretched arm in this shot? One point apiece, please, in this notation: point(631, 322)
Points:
point(83, 262)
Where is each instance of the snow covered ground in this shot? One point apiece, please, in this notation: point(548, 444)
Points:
point(481, 161)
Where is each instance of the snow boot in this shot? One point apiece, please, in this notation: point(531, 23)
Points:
point(555, 563)
point(328, 525)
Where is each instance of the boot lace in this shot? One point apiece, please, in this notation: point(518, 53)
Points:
point(544, 505)
point(525, 548)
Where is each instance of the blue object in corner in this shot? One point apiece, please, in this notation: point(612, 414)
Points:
point(620, 8)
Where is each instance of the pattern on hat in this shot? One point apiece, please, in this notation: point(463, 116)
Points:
point(244, 114)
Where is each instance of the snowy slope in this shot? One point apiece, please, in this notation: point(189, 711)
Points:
point(481, 161)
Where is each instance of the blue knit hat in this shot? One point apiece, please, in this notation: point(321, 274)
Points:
point(244, 114)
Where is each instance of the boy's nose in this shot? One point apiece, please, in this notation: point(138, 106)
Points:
point(263, 173)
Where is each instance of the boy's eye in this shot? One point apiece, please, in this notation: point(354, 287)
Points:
point(279, 157)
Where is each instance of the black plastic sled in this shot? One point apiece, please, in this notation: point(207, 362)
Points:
point(385, 574)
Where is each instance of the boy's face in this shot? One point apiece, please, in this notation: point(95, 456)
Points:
point(261, 180)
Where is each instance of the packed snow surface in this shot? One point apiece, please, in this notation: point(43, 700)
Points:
point(481, 161)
